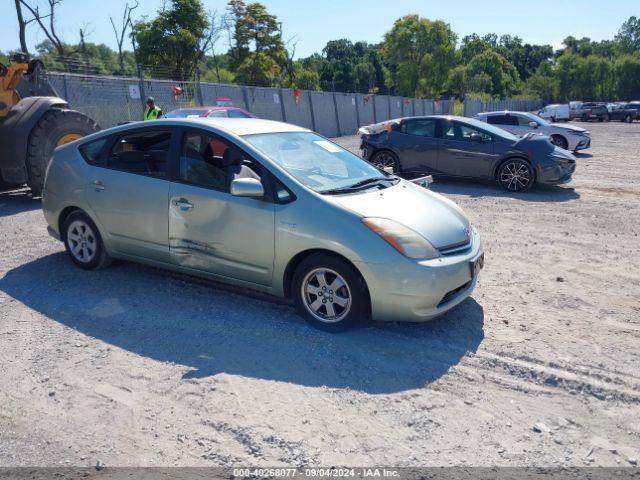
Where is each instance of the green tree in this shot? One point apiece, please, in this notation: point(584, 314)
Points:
point(257, 53)
point(419, 54)
point(503, 75)
point(171, 41)
point(628, 37)
point(627, 73)
point(542, 84)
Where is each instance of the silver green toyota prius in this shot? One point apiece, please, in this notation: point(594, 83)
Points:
point(265, 205)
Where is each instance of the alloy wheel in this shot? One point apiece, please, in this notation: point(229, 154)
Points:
point(384, 160)
point(326, 295)
point(82, 241)
point(515, 176)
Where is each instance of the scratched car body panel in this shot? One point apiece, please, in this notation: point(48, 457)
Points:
point(265, 205)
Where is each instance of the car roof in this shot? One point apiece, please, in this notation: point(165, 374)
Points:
point(503, 112)
point(209, 108)
point(236, 126)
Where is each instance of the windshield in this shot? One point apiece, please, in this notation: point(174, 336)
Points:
point(316, 162)
point(184, 113)
point(490, 129)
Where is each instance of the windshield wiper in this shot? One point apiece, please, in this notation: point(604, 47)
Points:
point(358, 185)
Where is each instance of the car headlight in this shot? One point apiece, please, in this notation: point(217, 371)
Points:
point(406, 241)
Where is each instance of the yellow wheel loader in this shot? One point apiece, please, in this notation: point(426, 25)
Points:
point(33, 122)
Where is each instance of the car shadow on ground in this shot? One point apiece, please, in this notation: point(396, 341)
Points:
point(211, 330)
point(18, 200)
point(475, 188)
point(582, 155)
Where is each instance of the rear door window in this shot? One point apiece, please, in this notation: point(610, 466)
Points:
point(145, 152)
point(422, 128)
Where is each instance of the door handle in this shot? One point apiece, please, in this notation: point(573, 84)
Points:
point(97, 185)
point(183, 204)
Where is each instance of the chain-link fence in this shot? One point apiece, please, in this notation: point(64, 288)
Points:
point(113, 100)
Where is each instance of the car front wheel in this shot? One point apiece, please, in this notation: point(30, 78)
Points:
point(559, 141)
point(386, 159)
point(329, 293)
point(83, 242)
point(516, 175)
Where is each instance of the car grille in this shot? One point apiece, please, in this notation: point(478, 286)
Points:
point(456, 248)
point(453, 293)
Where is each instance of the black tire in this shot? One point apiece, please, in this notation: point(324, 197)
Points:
point(584, 117)
point(386, 158)
point(553, 119)
point(600, 119)
point(515, 175)
point(628, 119)
point(95, 255)
point(50, 130)
point(560, 141)
point(354, 289)
point(607, 118)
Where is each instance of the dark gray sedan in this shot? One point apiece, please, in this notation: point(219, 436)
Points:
point(464, 147)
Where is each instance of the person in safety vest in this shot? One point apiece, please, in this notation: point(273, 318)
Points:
point(152, 111)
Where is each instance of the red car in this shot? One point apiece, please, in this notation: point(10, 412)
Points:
point(214, 111)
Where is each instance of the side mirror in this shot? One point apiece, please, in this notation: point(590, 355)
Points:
point(533, 124)
point(247, 187)
point(476, 137)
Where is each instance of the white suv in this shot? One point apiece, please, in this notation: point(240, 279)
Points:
point(564, 136)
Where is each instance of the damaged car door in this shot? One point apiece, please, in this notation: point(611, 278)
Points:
point(210, 229)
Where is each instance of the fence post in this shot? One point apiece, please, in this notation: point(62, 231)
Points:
point(313, 116)
point(199, 92)
point(284, 113)
point(357, 110)
point(64, 87)
point(335, 106)
point(375, 115)
point(245, 97)
point(389, 105)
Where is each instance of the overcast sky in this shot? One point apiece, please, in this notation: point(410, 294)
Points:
point(313, 23)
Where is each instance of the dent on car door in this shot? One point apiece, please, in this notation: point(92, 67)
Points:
point(211, 230)
point(127, 190)
point(463, 156)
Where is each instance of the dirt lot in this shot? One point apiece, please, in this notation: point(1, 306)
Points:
point(133, 366)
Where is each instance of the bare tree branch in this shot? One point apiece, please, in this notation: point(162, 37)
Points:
point(22, 25)
point(50, 31)
point(120, 34)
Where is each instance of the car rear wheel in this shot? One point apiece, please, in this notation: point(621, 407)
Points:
point(329, 293)
point(559, 141)
point(607, 118)
point(516, 175)
point(584, 117)
point(386, 159)
point(628, 119)
point(83, 242)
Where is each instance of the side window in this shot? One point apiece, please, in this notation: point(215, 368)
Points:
point(93, 152)
point(211, 162)
point(218, 114)
point(237, 114)
point(502, 120)
point(423, 128)
point(524, 121)
point(144, 153)
point(461, 132)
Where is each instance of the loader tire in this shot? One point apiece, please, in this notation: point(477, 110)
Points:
point(57, 127)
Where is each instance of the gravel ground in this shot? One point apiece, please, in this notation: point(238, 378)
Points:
point(133, 366)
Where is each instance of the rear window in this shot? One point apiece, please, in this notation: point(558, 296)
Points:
point(93, 152)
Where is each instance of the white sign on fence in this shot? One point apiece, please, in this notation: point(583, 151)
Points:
point(276, 98)
point(134, 92)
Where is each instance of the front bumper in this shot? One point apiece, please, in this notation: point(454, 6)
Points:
point(556, 172)
point(416, 291)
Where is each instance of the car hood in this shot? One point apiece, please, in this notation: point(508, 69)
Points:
point(573, 128)
point(433, 216)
